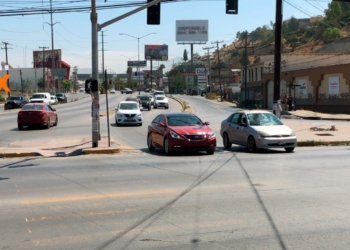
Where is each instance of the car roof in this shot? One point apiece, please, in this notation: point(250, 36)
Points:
point(161, 96)
point(127, 102)
point(255, 111)
point(170, 114)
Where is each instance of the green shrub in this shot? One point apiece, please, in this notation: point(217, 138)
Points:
point(2, 98)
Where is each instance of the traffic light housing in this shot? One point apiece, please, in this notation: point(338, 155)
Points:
point(94, 85)
point(110, 81)
point(88, 86)
point(153, 14)
point(135, 73)
point(232, 7)
point(147, 75)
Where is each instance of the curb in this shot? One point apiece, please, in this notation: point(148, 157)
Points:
point(97, 151)
point(15, 155)
point(189, 109)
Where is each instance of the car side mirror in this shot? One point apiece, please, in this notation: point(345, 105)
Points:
point(161, 124)
point(53, 109)
point(116, 108)
point(243, 124)
point(207, 123)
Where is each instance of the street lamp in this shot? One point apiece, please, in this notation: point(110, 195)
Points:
point(138, 51)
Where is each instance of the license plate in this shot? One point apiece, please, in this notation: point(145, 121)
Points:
point(281, 143)
point(129, 120)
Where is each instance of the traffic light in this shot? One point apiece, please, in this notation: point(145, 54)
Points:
point(94, 85)
point(147, 75)
point(110, 81)
point(232, 7)
point(135, 73)
point(153, 14)
point(87, 86)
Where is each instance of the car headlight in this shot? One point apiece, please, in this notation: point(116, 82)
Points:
point(264, 134)
point(139, 115)
point(212, 135)
point(120, 115)
point(292, 133)
point(175, 135)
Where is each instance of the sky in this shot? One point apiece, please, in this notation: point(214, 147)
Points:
point(72, 30)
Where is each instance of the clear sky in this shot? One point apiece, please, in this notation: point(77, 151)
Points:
point(72, 31)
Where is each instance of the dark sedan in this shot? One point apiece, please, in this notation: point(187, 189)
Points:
point(61, 97)
point(145, 102)
point(14, 102)
point(126, 91)
point(180, 132)
point(34, 114)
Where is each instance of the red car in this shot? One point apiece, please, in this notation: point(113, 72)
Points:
point(33, 114)
point(180, 132)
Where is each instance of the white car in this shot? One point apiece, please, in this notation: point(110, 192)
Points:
point(160, 101)
point(112, 91)
point(53, 100)
point(128, 112)
point(256, 129)
point(41, 98)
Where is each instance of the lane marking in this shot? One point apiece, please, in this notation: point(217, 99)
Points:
point(93, 197)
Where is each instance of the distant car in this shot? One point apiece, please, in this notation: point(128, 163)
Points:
point(152, 99)
point(126, 91)
point(128, 112)
point(146, 90)
point(53, 100)
point(14, 102)
point(41, 98)
point(180, 132)
point(256, 129)
point(158, 93)
point(61, 97)
point(133, 99)
point(37, 114)
point(145, 102)
point(193, 92)
point(161, 101)
point(112, 91)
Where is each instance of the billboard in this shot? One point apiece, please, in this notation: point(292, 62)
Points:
point(333, 87)
point(156, 52)
point(192, 31)
point(44, 58)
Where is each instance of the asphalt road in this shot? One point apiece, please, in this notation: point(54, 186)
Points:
point(230, 200)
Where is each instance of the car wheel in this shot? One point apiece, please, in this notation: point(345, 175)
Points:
point(56, 122)
point(149, 143)
point(140, 124)
point(116, 123)
point(20, 126)
point(155, 107)
point(5, 107)
point(166, 146)
point(251, 144)
point(226, 141)
point(48, 125)
point(289, 149)
point(210, 152)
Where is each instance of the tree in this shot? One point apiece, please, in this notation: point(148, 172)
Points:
point(185, 56)
point(66, 85)
point(331, 34)
point(75, 73)
point(129, 72)
point(41, 84)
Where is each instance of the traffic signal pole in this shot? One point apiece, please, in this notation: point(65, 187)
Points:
point(278, 48)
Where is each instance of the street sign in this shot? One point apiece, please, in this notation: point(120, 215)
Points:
point(137, 63)
point(201, 71)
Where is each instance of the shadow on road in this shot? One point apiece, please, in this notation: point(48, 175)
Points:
point(160, 152)
point(14, 164)
point(1, 179)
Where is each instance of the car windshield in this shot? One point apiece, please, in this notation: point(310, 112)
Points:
point(128, 106)
point(59, 94)
point(14, 98)
point(160, 98)
point(183, 120)
point(32, 107)
point(144, 98)
point(39, 96)
point(263, 119)
point(52, 98)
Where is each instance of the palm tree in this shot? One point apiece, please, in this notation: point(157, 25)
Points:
point(129, 72)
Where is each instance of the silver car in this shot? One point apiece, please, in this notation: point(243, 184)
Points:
point(257, 129)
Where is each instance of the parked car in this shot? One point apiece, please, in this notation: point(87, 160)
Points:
point(128, 112)
point(14, 102)
point(180, 132)
point(37, 114)
point(161, 101)
point(146, 90)
point(112, 91)
point(145, 102)
point(41, 98)
point(61, 97)
point(257, 129)
point(126, 91)
point(53, 100)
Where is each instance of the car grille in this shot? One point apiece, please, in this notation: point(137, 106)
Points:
point(278, 136)
point(276, 144)
point(129, 115)
point(195, 137)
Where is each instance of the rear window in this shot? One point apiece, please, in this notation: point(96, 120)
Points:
point(37, 96)
point(14, 98)
point(33, 107)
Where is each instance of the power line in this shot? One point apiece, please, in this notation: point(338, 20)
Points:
point(219, 65)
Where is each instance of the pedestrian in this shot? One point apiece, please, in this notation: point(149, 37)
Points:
point(290, 103)
point(285, 103)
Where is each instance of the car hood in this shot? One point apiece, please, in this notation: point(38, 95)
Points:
point(274, 129)
point(129, 111)
point(162, 101)
point(191, 130)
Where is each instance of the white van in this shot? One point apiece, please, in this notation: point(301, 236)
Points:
point(41, 97)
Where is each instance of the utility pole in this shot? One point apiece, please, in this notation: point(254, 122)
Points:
point(209, 48)
point(278, 45)
point(103, 54)
point(245, 47)
point(20, 72)
point(44, 65)
point(219, 65)
point(7, 63)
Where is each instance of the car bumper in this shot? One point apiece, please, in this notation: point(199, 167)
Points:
point(182, 145)
point(12, 105)
point(132, 121)
point(165, 105)
point(283, 142)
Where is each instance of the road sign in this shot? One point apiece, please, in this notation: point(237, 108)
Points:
point(137, 63)
point(201, 71)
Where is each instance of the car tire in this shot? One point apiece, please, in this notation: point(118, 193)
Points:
point(20, 126)
point(116, 123)
point(289, 149)
point(56, 122)
point(155, 107)
point(149, 143)
point(251, 144)
point(166, 146)
point(226, 141)
point(48, 125)
point(210, 152)
point(140, 124)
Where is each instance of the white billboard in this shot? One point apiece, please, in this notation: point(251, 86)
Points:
point(192, 31)
point(333, 85)
point(302, 86)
